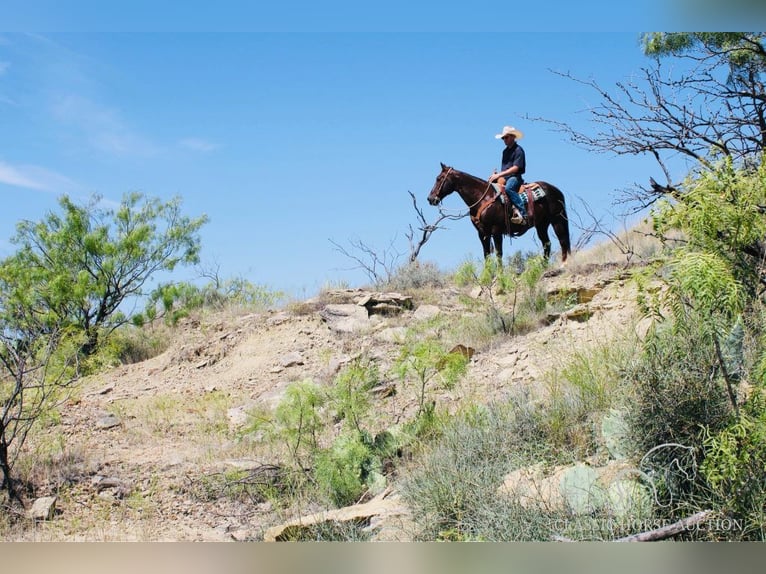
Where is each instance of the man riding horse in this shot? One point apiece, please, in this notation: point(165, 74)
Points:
point(512, 167)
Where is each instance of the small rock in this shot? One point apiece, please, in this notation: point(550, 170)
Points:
point(107, 422)
point(291, 359)
point(426, 312)
point(384, 390)
point(392, 335)
point(43, 508)
point(278, 319)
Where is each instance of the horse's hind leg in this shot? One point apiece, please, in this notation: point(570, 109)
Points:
point(542, 233)
point(561, 228)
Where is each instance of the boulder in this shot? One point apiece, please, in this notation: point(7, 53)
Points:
point(43, 508)
point(385, 505)
point(346, 318)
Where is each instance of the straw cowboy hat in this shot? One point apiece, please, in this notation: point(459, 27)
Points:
point(509, 131)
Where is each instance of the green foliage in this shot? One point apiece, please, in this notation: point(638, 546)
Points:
point(733, 467)
point(299, 420)
point(350, 393)
point(453, 487)
point(343, 469)
point(329, 531)
point(174, 301)
point(517, 286)
point(426, 361)
point(457, 473)
point(75, 269)
point(700, 442)
point(721, 216)
point(127, 345)
point(352, 463)
point(705, 282)
point(678, 392)
point(583, 390)
point(736, 49)
point(37, 370)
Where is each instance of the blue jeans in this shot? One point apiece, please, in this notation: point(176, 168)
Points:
point(512, 186)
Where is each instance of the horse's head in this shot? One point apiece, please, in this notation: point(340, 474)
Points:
point(443, 186)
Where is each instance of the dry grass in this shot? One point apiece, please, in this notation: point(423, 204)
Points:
point(631, 246)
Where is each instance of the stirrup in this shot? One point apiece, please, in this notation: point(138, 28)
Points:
point(516, 219)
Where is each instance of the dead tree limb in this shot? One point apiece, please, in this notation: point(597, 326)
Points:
point(380, 265)
point(426, 229)
point(669, 530)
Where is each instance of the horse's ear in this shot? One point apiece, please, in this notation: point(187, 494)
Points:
point(443, 166)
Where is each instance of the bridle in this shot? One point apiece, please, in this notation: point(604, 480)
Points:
point(441, 184)
point(478, 201)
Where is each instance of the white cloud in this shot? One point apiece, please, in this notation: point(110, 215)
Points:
point(102, 127)
point(17, 177)
point(199, 144)
point(36, 178)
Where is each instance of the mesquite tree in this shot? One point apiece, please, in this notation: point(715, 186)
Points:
point(37, 366)
point(74, 270)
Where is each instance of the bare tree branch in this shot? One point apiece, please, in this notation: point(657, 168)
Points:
point(670, 530)
point(380, 265)
point(425, 228)
point(715, 107)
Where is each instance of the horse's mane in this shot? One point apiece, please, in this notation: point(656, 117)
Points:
point(473, 177)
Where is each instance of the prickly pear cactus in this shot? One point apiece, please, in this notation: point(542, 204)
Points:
point(614, 431)
point(581, 489)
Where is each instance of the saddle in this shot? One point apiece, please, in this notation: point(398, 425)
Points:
point(529, 192)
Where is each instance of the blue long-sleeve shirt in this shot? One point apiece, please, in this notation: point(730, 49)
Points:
point(514, 155)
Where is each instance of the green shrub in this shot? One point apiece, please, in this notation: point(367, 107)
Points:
point(128, 345)
point(174, 301)
point(514, 300)
point(678, 392)
point(330, 531)
point(735, 458)
point(342, 470)
point(453, 487)
point(298, 419)
point(350, 394)
point(427, 360)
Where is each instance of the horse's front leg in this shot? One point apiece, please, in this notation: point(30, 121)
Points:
point(484, 238)
point(542, 233)
point(498, 239)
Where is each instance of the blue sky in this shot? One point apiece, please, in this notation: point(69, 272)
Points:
point(292, 141)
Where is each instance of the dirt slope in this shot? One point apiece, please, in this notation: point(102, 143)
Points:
point(143, 440)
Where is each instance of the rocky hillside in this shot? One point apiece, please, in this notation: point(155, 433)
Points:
point(140, 449)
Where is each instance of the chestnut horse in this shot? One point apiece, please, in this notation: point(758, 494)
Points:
point(489, 217)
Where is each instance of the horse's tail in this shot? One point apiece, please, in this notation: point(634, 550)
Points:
point(559, 218)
